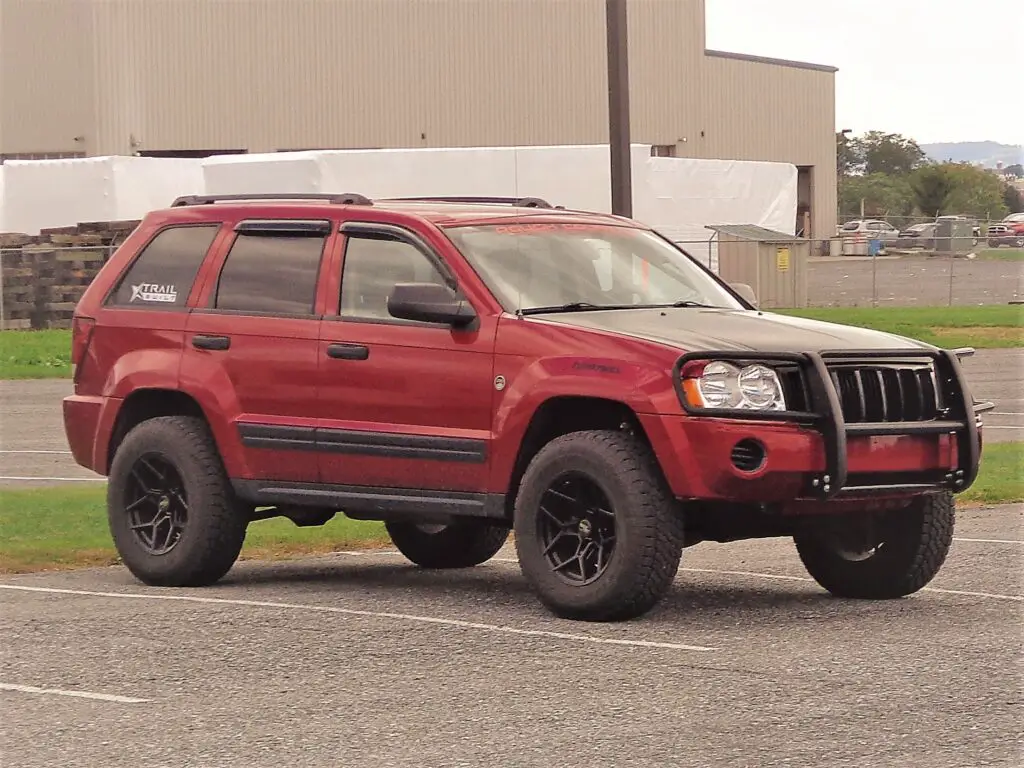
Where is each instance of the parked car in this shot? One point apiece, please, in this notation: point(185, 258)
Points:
point(917, 236)
point(463, 368)
point(872, 229)
point(1009, 231)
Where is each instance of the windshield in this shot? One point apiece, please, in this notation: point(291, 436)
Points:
point(534, 266)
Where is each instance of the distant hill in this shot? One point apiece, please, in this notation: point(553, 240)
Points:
point(986, 153)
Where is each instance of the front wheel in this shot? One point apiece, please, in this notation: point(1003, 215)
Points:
point(880, 557)
point(598, 535)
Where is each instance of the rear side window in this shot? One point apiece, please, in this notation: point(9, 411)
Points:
point(271, 273)
point(162, 275)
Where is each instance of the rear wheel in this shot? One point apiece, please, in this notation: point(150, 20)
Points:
point(598, 535)
point(460, 544)
point(883, 556)
point(170, 507)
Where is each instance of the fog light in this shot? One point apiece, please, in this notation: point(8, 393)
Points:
point(748, 455)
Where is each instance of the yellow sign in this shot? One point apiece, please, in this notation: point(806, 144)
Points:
point(782, 258)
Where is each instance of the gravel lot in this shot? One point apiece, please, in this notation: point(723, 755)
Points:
point(363, 660)
point(912, 281)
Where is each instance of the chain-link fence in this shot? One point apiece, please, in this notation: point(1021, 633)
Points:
point(816, 273)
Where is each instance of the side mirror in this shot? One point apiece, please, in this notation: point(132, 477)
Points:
point(745, 291)
point(430, 303)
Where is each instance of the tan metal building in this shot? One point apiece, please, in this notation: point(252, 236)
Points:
point(96, 77)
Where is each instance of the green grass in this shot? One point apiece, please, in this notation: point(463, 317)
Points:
point(35, 354)
point(59, 528)
point(987, 327)
point(62, 528)
point(1001, 254)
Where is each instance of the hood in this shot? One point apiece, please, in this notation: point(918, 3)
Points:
point(696, 329)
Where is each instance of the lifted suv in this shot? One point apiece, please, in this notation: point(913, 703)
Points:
point(462, 367)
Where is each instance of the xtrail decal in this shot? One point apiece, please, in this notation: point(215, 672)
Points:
point(167, 294)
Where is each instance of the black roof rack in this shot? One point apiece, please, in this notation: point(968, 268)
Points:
point(518, 202)
point(350, 198)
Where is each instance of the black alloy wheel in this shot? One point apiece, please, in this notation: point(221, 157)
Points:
point(156, 504)
point(576, 529)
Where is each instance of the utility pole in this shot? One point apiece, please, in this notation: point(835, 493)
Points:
point(618, 107)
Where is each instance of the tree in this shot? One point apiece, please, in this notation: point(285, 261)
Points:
point(883, 196)
point(1013, 199)
point(890, 153)
point(932, 186)
point(976, 192)
point(1016, 170)
point(849, 156)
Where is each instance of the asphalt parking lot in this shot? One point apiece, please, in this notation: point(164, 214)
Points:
point(360, 659)
point(353, 660)
point(34, 451)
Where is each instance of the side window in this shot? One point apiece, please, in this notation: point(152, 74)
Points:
point(162, 275)
point(372, 267)
point(271, 273)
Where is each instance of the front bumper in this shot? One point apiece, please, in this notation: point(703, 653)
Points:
point(814, 454)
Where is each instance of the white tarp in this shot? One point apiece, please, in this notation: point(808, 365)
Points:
point(677, 196)
point(681, 197)
point(39, 194)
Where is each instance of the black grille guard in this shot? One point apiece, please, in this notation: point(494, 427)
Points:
point(825, 414)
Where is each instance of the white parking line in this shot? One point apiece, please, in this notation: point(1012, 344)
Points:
point(782, 577)
point(1004, 413)
point(989, 541)
point(77, 694)
point(54, 479)
point(11, 450)
point(459, 623)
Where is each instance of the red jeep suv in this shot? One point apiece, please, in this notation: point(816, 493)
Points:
point(460, 368)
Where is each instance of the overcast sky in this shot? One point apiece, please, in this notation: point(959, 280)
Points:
point(903, 64)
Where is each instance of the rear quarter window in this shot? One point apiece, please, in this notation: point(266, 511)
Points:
point(161, 276)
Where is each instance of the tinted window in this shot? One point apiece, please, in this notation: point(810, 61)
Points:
point(163, 273)
point(372, 268)
point(271, 274)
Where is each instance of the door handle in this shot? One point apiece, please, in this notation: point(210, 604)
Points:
point(211, 342)
point(348, 352)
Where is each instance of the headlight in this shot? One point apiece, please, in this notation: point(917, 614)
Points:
point(723, 385)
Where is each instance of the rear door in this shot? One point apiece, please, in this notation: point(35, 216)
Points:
point(251, 347)
point(404, 405)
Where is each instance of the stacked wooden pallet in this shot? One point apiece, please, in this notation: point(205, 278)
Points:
point(43, 276)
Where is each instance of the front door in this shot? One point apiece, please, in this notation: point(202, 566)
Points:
point(403, 404)
point(251, 348)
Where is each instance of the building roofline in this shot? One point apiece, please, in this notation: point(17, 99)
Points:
point(768, 60)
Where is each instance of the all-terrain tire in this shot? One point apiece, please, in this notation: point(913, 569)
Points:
point(913, 541)
point(216, 523)
point(460, 544)
point(648, 526)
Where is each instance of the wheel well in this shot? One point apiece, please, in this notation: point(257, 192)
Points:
point(145, 404)
point(560, 416)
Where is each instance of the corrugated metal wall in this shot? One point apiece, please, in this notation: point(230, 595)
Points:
point(46, 76)
point(262, 75)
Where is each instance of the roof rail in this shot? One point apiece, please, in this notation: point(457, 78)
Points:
point(350, 198)
point(518, 202)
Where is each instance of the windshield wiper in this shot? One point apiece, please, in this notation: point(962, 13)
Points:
point(690, 304)
point(575, 306)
